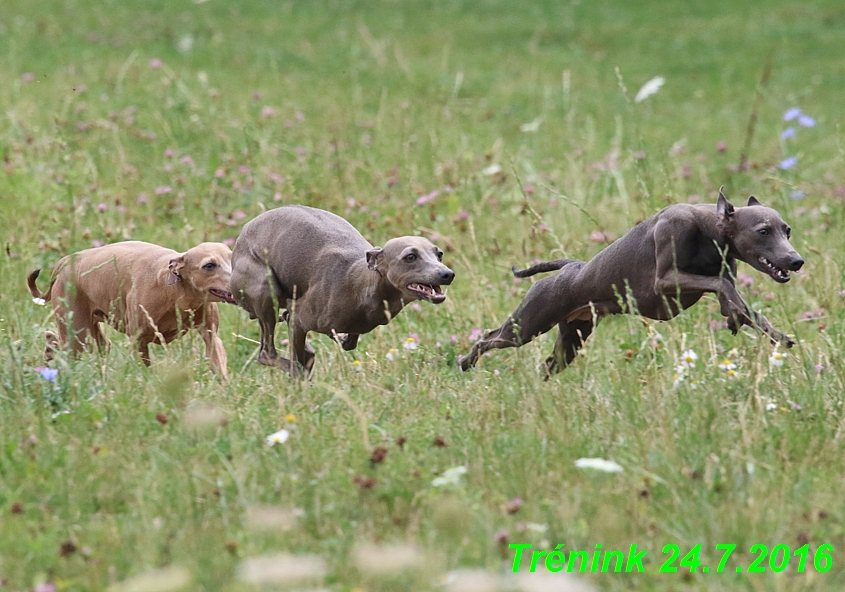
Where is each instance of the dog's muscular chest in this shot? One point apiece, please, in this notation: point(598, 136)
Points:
point(705, 259)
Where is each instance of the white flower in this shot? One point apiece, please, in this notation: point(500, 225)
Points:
point(410, 344)
point(771, 406)
point(536, 527)
point(688, 358)
point(727, 365)
point(279, 437)
point(649, 88)
point(357, 366)
point(492, 169)
point(777, 358)
point(39, 301)
point(677, 379)
point(391, 354)
point(532, 126)
point(450, 477)
point(599, 464)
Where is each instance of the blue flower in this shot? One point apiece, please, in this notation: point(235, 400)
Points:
point(49, 374)
point(791, 114)
point(806, 121)
point(797, 194)
point(788, 163)
point(788, 133)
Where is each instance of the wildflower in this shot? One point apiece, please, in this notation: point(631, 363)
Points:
point(806, 121)
point(492, 169)
point(290, 418)
point(268, 111)
point(391, 354)
point(450, 477)
point(163, 189)
point(649, 88)
point(688, 359)
point(27, 77)
point(797, 194)
point(818, 367)
point(142, 198)
point(777, 358)
point(788, 133)
point(48, 374)
point(732, 373)
point(726, 365)
point(679, 376)
point(599, 464)
point(788, 163)
point(771, 406)
point(721, 147)
point(279, 437)
point(155, 63)
point(428, 197)
point(357, 366)
point(101, 207)
point(536, 527)
point(791, 114)
point(513, 506)
point(475, 335)
point(410, 344)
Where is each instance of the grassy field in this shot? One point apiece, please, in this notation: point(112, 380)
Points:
point(506, 131)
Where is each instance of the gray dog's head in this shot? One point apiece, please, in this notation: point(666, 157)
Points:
point(412, 264)
point(759, 236)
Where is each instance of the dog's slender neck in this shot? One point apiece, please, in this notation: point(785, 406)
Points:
point(374, 289)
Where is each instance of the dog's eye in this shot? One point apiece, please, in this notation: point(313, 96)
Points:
point(788, 233)
point(209, 266)
point(440, 256)
point(410, 258)
point(763, 231)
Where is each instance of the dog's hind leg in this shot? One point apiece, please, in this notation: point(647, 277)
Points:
point(541, 310)
point(570, 339)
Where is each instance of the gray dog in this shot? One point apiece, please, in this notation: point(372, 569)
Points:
point(316, 267)
point(659, 268)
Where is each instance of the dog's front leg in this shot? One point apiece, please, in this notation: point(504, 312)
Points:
point(214, 350)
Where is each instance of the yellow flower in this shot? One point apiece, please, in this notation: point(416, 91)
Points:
point(290, 418)
point(356, 365)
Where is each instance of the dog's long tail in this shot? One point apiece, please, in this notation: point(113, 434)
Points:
point(542, 267)
point(33, 289)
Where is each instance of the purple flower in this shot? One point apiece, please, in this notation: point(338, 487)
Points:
point(797, 194)
point(155, 63)
point(788, 133)
point(791, 114)
point(48, 374)
point(163, 189)
point(268, 111)
point(102, 207)
point(428, 197)
point(475, 335)
point(142, 198)
point(806, 121)
point(788, 163)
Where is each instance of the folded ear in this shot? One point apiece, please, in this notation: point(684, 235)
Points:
point(724, 208)
point(374, 257)
point(174, 266)
point(753, 201)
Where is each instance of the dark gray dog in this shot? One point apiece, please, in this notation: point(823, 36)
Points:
point(317, 268)
point(659, 268)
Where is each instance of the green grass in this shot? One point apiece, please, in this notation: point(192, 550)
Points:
point(360, 108)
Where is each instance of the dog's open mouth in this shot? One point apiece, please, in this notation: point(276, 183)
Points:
point(777, 273)
point(434, 294)
point(222, 295)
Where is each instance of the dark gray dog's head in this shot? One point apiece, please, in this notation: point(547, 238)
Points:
point(412, 265)
point(758, 235)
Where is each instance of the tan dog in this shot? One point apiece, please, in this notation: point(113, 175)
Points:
point(148, 292)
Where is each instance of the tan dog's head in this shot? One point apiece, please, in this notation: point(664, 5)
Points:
point(207, 268)
point(412, 264)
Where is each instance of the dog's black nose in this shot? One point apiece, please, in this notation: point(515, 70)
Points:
point(446, 276)
point(796, 264)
